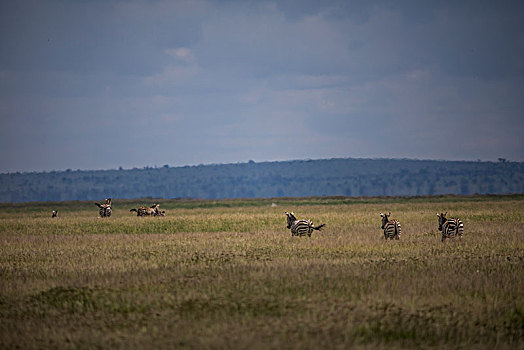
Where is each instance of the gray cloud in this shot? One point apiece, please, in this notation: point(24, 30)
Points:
point(106, 84)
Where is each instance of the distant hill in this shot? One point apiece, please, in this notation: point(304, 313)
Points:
point(326, 177)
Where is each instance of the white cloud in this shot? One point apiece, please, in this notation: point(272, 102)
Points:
point(172, 75)
point(182, 53)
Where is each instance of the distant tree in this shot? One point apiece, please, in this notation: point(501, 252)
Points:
point(351, 177)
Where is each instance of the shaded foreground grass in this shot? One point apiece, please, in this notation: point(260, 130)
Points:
point(233, 277)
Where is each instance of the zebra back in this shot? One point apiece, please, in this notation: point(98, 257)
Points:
point(391, 227)
point(453, 227)
point(104, 209)
point(301, 228)
point(392, 230)
point(144, 211)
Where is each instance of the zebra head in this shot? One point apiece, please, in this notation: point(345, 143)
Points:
point(385, 219)
point(55, 214)
point(441, 220)
point(290, 219)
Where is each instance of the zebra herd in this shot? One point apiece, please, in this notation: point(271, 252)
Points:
point(105, 210)
point(149, 211)
point(450, 227)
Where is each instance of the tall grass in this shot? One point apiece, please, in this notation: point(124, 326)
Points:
point(231, 276)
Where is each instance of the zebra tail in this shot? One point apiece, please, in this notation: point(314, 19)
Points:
point(319, 227)
point(98, 205)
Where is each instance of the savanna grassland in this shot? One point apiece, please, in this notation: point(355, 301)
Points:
point(228, 274)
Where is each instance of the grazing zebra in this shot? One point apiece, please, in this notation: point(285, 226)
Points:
point(55, 214)
point(391, 227)
point(148, 211)
point(300, 227)
point(451, 227)
point(104, 209)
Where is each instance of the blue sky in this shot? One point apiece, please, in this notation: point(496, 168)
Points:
point(104, 84)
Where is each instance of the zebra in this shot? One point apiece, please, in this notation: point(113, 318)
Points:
point(148, 211)
point(104, 209)
point(391, 227)
point(55, 214)
point(301, 227)
point(451, 227)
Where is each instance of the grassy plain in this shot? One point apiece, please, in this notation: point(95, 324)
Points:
point(227, 274)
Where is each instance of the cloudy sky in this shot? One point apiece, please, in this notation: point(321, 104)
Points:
point(103, 84)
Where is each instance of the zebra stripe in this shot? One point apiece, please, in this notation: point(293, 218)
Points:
point(451, 227)
point(391, 227)
point(301, 227)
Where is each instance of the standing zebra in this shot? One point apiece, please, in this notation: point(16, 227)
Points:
point(104, 209)
point(451, 227)
point(391, 227)
point(301, 227)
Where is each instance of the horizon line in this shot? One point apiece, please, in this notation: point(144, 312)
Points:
point(120, 168)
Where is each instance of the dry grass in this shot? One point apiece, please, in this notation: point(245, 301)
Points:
point(233, 277)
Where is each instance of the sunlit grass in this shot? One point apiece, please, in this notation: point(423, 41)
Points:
point(231, 276)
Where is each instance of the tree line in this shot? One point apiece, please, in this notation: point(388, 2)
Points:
point(298, 178)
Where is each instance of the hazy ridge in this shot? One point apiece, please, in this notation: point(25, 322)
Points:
point(325, 177)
